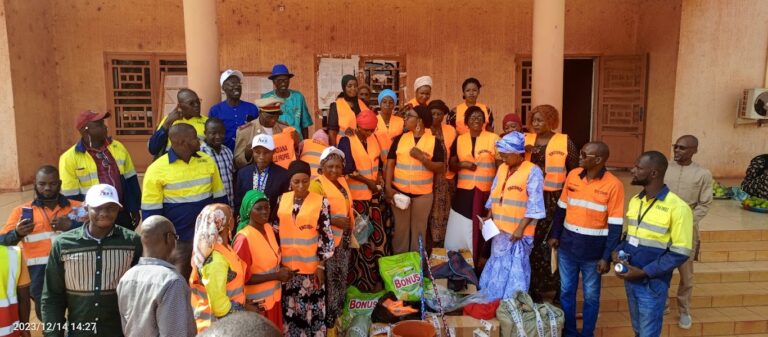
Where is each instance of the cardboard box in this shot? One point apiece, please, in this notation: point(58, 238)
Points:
point(440, 256)
point(466, 326)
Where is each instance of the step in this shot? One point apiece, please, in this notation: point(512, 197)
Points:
point(711, 272)
point(709, 295)
point(727, 321)
point(735, 235)
point(733, 251)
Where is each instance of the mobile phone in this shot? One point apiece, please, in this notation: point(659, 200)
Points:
point(26, 213)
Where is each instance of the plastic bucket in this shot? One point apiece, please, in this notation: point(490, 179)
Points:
point(413, 329)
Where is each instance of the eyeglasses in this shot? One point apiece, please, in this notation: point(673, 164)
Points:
point(104, 159)
point(174, 235)
point(583, 154)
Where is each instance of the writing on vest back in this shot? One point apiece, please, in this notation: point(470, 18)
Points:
point(516, 188)
point(558, 153)
point(281, 154)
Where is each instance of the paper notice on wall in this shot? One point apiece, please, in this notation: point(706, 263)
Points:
point(329, 74)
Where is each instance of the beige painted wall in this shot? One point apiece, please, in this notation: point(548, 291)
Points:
point(723, 46)
point(9, 166)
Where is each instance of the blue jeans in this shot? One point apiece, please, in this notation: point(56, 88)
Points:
point(646, 301)
point(569, 283)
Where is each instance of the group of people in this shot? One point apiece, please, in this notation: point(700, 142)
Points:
point(243, 211)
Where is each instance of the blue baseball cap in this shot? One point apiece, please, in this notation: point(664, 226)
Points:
point(280, 70)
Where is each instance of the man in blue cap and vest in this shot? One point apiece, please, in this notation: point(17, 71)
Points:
point(295, 111)
point(233, 111)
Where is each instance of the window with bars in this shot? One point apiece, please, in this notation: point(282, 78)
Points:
point(524, 96)
point(134, 89)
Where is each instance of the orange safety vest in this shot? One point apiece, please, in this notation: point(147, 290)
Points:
point(554, 164)
point(37, 245)
point(411, 176)
point(462, 128)
point(385, 134)
point(589, 204)
point(510, 197)
point(482, 177)
point(367, 164)
point(265, 259)
point(235, 287)
point(340, 206)
point(299, 235)
point(414, 103)
point(10, 271)
point(285, 149)
point(449, 136)
point(347, 117)
point(310, 153)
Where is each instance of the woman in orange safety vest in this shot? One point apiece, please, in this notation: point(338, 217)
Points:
point(444, 184)
point(470, 89)
point(473, 158)
point(423, 90)
point(555, 154)
point(414, 159)
point(389, 126)
point(218, 275)
point(256, 244)
point(342, 113)
point(306, 244)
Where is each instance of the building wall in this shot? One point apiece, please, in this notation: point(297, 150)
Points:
point(722, 51)
point(34, 80)
point(9, 166)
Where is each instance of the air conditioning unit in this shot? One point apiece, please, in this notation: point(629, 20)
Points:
point(754, 104)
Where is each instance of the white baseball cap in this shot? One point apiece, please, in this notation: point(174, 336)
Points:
point(101, 194)
point(264, 140)
point(230, 72)
point(329, 151)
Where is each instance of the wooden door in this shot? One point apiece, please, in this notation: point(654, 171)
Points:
point(620, 121)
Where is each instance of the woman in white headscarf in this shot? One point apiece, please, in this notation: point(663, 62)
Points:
point(423, 91)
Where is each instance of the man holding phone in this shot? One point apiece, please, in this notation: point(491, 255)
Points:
point(36, 223)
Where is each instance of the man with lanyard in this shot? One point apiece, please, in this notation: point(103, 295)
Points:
point(179, 185)
point(262, 175)
point(187, 111)
point(233, 111)
point(267, 123)
point(99, 159)
point(693, 184)
point(586, 227)
point(295, 111)
point(51, 213)
point(659, 239)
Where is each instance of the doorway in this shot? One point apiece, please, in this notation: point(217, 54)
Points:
point(578, 98)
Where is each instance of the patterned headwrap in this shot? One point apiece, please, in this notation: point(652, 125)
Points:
point(211, 221)
point(251, 198)
point(387, 93)
point(513, 142)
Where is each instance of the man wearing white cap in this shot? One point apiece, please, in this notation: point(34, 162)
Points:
point(285, 137)
point(233, 111)
point(84, 268)
point(262, 174)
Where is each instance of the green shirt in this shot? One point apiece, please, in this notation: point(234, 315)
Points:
point(81, 279)
point(295, 110)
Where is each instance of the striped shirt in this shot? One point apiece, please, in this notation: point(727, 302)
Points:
point(225, 161)
point(81, 280)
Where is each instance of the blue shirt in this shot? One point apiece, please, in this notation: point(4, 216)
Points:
point(534, 208)
point(233, 118)
point(295, 111)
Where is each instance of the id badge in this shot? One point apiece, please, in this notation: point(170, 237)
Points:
point(634, 241)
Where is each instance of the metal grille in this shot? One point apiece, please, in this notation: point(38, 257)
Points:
point(132, 96)
point(526, 74)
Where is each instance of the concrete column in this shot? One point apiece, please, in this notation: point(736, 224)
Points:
point(10, 179)
point(548, 45)
point(201, 37)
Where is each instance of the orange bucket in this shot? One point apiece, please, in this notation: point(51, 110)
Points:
point(413, 329)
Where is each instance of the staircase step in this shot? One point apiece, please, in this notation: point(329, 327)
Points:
point(734, 235)
point(711, 272)
point(734, 251)
point(709, 295)
point(727, 321)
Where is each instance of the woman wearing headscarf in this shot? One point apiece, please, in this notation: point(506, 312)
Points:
point(332, 184)
point(306, 244)
point(413, 160)
point(342, 113)
point(218, 274)
point(473, 157)
point(512, 122)
point(389, 126)
point(256, 244)
point(364, 92)
point(423, 91)
point(555, 154)
point(470, 90)
point(444, 184)
point(310, 150)
point(361, 167)
point(515, 205)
